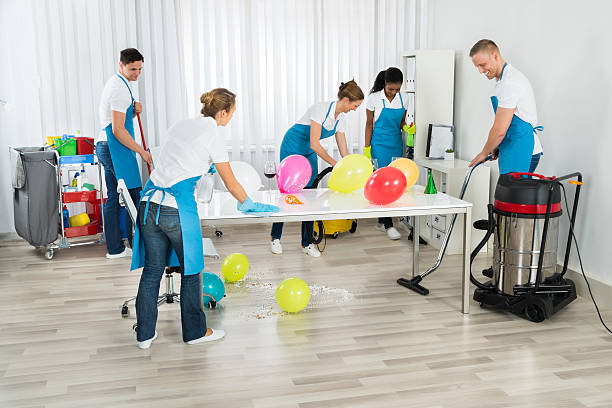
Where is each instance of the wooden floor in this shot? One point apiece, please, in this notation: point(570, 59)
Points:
point(364, 341)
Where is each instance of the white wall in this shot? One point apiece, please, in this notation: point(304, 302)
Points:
point(564, 48)
point(20, 122)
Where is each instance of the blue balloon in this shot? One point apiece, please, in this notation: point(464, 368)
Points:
point(212, 287)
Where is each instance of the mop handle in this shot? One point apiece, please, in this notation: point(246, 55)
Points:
point(144, 144)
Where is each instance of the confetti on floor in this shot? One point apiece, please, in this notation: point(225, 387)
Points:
point(255, 289)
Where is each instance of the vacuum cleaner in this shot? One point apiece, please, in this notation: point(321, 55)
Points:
point(524, 221)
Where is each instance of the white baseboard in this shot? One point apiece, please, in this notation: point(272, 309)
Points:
point(8, 236)
point(602, 291)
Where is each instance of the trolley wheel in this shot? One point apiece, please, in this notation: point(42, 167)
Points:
point(535, 313)
point(219, 234)
point(335, 235)
point(212, 304)
point(353, 227)
point(125, 312)
point(49, 254)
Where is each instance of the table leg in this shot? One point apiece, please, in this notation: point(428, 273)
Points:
point(415, 246)
point(467, 241)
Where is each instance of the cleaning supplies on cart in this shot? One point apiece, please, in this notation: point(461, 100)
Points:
point(85, 184)
point(77, 181)
point(79, 220)
point(66, 217)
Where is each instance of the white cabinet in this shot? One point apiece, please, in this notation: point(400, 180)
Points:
point(429, 86)
point(449, 176)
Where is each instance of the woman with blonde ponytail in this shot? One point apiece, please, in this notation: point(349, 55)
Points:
point(322, 120)
point(168, 229)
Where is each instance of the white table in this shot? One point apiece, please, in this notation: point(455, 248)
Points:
point(324, 204)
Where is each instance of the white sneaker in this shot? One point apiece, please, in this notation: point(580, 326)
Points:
point(393, 233)
point(380, 227)
point(404, 224)
point(217, 334)
point(127, 252)
point(276, 247)
point(147, 343)
point(312, 251)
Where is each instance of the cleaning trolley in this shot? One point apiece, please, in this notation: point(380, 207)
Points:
point(40, 196)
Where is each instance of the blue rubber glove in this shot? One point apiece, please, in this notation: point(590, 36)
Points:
point(248, 206)
point(212, 169)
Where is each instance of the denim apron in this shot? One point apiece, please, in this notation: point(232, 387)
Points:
point(193, 251)
point(516, 149)
point(387, 135)
point(297, 141)
point(124, 159)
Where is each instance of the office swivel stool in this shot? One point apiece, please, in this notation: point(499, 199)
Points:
point(169, 296)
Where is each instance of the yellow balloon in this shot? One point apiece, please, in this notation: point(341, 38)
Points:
point(234, 267)
point(292, 295)
point(350, 173)
point(409, 168)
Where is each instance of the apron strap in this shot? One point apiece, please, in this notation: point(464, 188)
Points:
point(128, 87)
point(326, 115)
point(502, 73)
point(148, 194)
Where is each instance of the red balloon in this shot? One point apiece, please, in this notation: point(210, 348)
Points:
point(385, 185)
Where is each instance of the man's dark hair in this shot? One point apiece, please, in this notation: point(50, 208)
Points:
point(484, 45)
point(130, 55)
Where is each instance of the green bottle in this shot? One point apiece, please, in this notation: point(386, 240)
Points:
point(431, 186)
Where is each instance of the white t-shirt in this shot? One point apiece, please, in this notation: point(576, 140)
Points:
point(115, 97)
point(191, 146)
point(375, 101)
point(514, 91)
point(317, 113)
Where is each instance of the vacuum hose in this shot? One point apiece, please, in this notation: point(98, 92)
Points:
point(490, 229)
point(317, 238)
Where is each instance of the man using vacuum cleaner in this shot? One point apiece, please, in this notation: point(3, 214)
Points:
point(513, 134)
point(525, 217)
point(116, 147)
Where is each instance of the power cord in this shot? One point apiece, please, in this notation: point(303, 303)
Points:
point(580, 260)
point(324, 241)
point(321, 227)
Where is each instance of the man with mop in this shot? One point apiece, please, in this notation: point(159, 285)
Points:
point(116, 147)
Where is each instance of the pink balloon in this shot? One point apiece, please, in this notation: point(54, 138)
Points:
point(293, 174)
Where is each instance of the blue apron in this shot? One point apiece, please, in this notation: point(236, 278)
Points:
point(124, 159)
point(387, 135)
point(297, 141)
point(516, 149)
point(193, 252)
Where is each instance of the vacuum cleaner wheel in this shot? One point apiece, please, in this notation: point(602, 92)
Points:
point(535, 312)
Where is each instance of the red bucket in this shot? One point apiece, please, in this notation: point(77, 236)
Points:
point(85, 145)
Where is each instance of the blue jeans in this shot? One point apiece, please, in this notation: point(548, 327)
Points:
point(535, 160)
point(158, 239)
point(277, 231)
point(112, 209)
